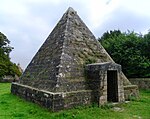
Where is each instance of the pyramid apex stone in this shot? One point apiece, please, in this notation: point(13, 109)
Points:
point(70, 9)
point(70, 12)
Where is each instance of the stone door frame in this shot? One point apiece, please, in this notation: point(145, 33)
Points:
point(98, 71)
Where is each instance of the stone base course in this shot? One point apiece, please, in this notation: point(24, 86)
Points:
point(53, 101)
point(63, 100)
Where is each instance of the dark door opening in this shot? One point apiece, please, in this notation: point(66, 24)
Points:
point(112, 86)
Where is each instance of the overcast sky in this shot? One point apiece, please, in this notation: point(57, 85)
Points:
point(27, 23)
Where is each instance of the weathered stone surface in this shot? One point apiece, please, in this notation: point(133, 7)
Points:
point(9, 79)
point(56, 78)
point(63, 55)
point(54, 101)
point(142, 83)
point(98, 81)
point(131, 91)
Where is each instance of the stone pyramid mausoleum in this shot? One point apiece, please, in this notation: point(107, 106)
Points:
point(72, 68)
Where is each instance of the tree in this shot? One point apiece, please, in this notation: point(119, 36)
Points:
point(146, 45)
point(6, 66)
point(4, 45)
point(129, 49)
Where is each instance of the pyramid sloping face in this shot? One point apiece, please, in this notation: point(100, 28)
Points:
point(58, 66)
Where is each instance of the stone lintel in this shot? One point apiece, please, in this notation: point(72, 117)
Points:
point(104, 66)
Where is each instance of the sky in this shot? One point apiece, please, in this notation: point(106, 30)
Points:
point(27, 23)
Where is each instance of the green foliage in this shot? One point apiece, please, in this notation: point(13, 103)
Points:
point(130, 49)
point(13, 107)
point(6, 66)
point(4, 44)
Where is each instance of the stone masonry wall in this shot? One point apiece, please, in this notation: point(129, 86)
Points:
point(50, 100)
point(143, 83)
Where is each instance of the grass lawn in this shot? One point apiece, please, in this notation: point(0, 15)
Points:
point(13, 107)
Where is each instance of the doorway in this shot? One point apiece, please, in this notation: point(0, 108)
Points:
point(112, 86)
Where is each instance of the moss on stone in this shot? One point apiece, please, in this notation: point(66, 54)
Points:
point(90, 60)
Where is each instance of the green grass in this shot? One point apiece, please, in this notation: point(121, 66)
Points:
point(13, 107)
